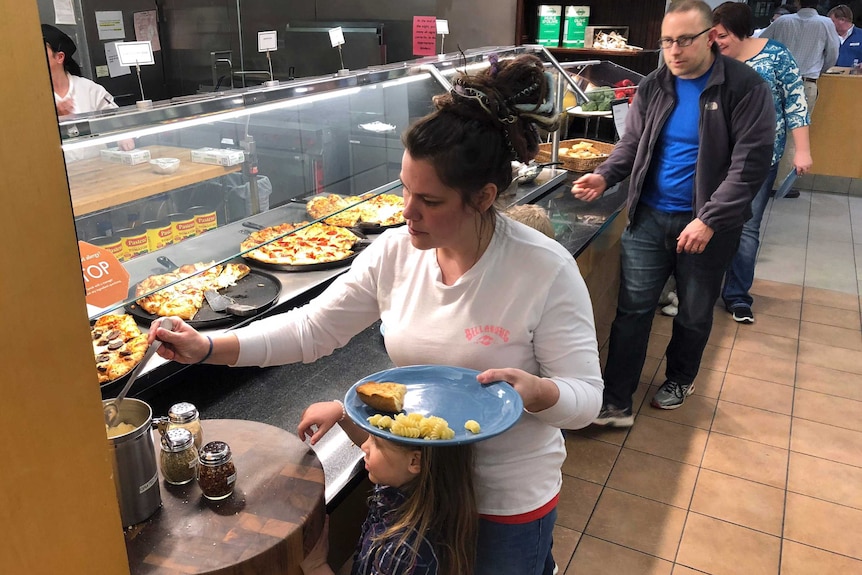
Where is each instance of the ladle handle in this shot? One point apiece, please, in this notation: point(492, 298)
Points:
point(167, 324)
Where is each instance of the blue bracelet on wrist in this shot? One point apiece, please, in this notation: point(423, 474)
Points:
point(210, 352)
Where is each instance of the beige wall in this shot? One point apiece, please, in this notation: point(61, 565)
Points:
point(58, 511)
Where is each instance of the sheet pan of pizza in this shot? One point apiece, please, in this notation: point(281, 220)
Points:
point(255, 288)
point(314, 247)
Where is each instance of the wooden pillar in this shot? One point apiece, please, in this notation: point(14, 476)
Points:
point(58, 512)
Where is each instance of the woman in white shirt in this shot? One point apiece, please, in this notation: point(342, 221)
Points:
point(462, 285)
point(73, 94)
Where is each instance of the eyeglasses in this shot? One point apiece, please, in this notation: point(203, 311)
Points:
point(682, 41)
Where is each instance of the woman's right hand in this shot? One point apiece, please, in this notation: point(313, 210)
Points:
point(318, 418)
point(182, 344)
point(589, 187)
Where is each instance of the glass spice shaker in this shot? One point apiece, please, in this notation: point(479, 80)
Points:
point(216, 472)
point(179, 457)
point(185, 415)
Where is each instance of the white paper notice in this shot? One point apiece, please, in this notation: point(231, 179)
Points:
point(267, 41)
point(336, 37)
point(114, 67)
point(442, 26)
point(147, 28)
point(63, 12)
point(110, 26)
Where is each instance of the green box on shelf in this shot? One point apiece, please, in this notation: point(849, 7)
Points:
point(550, 18)
point(577, 18)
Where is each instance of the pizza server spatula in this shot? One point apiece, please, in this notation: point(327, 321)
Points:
point(112, 408)
point(217, 301)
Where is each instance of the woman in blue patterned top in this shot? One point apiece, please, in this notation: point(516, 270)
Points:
point(422, 517)
point(775, 64)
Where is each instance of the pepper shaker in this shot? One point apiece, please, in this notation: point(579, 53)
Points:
point(216, 471)
point(179, 457)
point(185, 416)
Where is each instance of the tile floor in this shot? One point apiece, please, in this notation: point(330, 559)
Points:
point(760, 472)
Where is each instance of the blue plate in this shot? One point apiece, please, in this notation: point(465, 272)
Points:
point(448, 392)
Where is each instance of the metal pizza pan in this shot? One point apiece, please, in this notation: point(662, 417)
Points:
point(258, 289)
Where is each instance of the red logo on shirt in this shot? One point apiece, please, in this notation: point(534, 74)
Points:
point(486, 334)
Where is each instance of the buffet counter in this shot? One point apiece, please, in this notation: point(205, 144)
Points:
point(836, 126)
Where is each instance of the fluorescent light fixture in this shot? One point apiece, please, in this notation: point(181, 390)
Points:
point(208, 119)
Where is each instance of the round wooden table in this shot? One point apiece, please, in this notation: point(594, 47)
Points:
point(273, 518)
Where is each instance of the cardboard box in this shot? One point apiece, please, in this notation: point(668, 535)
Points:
point(577, 18)
point(591, 32)
point(130, 158)
point(550, 18)
point(218, 157)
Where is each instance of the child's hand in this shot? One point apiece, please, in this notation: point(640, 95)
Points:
point(318, 418)
point(315, 562)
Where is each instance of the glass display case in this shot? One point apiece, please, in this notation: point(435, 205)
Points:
point(190, 181)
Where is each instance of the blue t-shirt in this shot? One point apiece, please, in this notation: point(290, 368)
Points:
point(669, 183)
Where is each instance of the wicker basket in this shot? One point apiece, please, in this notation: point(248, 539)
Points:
point(576, 164)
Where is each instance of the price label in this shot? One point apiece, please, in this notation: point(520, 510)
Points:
point(442, 26)
point(336, 36)
point(105, 279)
point(267, 41)
point(135, 53)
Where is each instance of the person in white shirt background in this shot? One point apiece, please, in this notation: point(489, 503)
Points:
point(74, 94)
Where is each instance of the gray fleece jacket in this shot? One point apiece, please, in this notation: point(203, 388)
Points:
point(737, 133)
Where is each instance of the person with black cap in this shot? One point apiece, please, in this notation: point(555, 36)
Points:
point(73, 94)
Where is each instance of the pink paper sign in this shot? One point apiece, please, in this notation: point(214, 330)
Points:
point(424, 35)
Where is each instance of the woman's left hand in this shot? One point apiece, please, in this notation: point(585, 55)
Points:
point(536, 392)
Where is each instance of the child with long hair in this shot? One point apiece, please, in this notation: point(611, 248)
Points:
point(422, 517)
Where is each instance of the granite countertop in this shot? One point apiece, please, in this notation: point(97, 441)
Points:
point(278, 395)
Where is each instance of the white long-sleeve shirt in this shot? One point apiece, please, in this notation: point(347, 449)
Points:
point(524, 305)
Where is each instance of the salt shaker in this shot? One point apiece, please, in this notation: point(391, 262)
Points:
point(216, 471)
point(185, 416)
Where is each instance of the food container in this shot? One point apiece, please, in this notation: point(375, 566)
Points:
point(205, 218)
point(160, 234)
point(179, 456)
point(216, 472)
point(113, 244)
point(183, 226)
point(185, 416)
point(133, 458)
point(135, 241)
point(577, 164)
point(165, 165)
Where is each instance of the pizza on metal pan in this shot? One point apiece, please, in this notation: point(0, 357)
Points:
point(383, 209)
point(184, 298)
point(293, 244)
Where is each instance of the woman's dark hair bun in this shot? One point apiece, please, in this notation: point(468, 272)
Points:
point(514, 95)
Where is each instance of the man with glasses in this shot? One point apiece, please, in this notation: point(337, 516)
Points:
point(697, 147)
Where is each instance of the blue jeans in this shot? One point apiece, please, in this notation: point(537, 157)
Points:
point(740, 274)
point(647, 259)
point(523, 549)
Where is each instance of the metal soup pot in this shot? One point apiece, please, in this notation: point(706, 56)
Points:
point(133, 458)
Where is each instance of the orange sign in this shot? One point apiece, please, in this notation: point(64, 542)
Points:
point(105, 278)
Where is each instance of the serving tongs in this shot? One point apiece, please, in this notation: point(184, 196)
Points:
point(112, 408)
